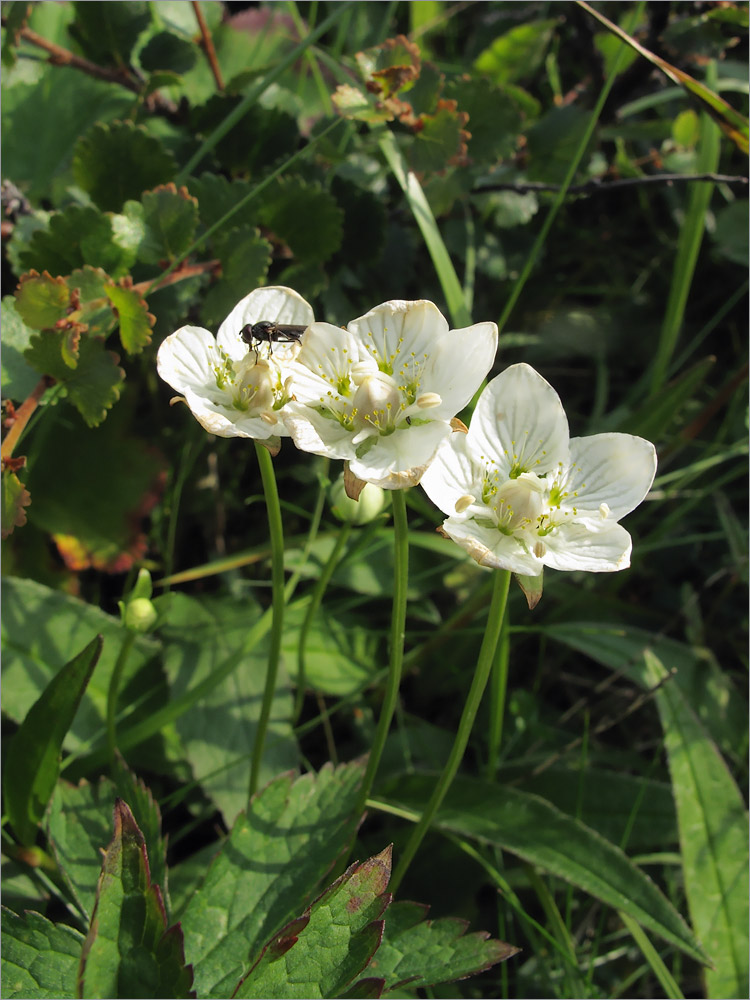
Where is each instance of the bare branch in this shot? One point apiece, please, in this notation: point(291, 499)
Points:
point(207, 44)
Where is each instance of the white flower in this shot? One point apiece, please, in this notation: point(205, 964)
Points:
point(381, 393)
point(521, 495)
point(233, 390)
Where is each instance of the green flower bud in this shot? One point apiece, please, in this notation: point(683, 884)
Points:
point(139, 615)
point(372, 500)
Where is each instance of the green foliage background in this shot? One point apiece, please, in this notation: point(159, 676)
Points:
point(495, 158)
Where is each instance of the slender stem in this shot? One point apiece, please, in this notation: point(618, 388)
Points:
point(276, 533)
point(398, 626)
point(23, 415)
point(114, 690)
point(481, 675)
point(208, 44)
point(312, 609)
point(498, 689)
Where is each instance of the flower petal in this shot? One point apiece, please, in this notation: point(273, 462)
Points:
point(274, 303)
point(185, 359)
point(458, 365)
point(399, 460)
point(317, 433)
point(452, 474)
point(321, 369)
point(396, 330)
point(574, 547)
point(491, 548)
point(519, 421)
point(616, 469)
point(225, 421)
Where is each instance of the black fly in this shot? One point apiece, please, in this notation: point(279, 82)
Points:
point(270, 333)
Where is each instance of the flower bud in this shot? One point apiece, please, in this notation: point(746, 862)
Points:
point(372, 501)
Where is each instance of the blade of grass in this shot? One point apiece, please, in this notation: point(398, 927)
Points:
point(662, 973)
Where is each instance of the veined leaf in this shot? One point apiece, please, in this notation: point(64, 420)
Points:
point(39, 959)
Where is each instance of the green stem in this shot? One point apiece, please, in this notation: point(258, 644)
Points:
point(498, 689)
point(312, 609)
point(276, 532)
point(481, 675)
point(398, 626)
point(114, 690)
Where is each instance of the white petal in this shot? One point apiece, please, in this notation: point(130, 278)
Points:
point(396, 461)
point(452, 474)
point(459, 363)
point(225, 421)
point(275, 304)
point(573, 547)
point(327, 355)
point(397, 329)
point(320, 435)
point(185, 359)
point(491, 548)
point(612, 469)
point(519, 421)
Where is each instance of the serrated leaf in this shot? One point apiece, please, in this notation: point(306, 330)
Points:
point(107, 33)
point(536, 831)
point(93, 386)
point(426, 952)
point(39, 958)
point(713, 826)
point(117, 162)
point(245, 258)
point(128, 950)
point(15, 499)
point(355, 103)
point(37, 745)
point(263, 135)
point(41, 300)
point(79, 826)
point(95, 310)
point(305, 217)
point(494, 117)
point(76, 236)
point(167, 51)
point(441, 140)
point(18, 377)
point(321, 953)
point(217, 195)
point(270, 867)
point(363, 213)
point(170, 217)
point(133, 317)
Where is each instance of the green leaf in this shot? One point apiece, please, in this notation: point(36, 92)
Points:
point(364, 215)
point(128, 950)
point(39, 959)
point(539, 833)
point(117, 162)
point(107, 33)
point(425, 952)
point(15, 498)
point(80, 235)
point(713, 829)
point(288, 202)
point(517, 54)
point(134, 319)
point(90, 285)
point(259, 139)
point(730, 236)
point(167, 51)
point(93, 387)
point(218, 732)
point(494, 117)
point(102, 528)
point(62, 104)
point(37, 745)
point(271, 865)
point(41, 628)
point(321, 953)
point(14, 18)
point(441, 141)
point(245, 258)
point(79, 823)
point(170, 217)
point(217, 195)
point(18, 377)
point(41, 300)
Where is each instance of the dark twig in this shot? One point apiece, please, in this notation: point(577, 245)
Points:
point(596, 186)
point(59, 56)
point(207, 43)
